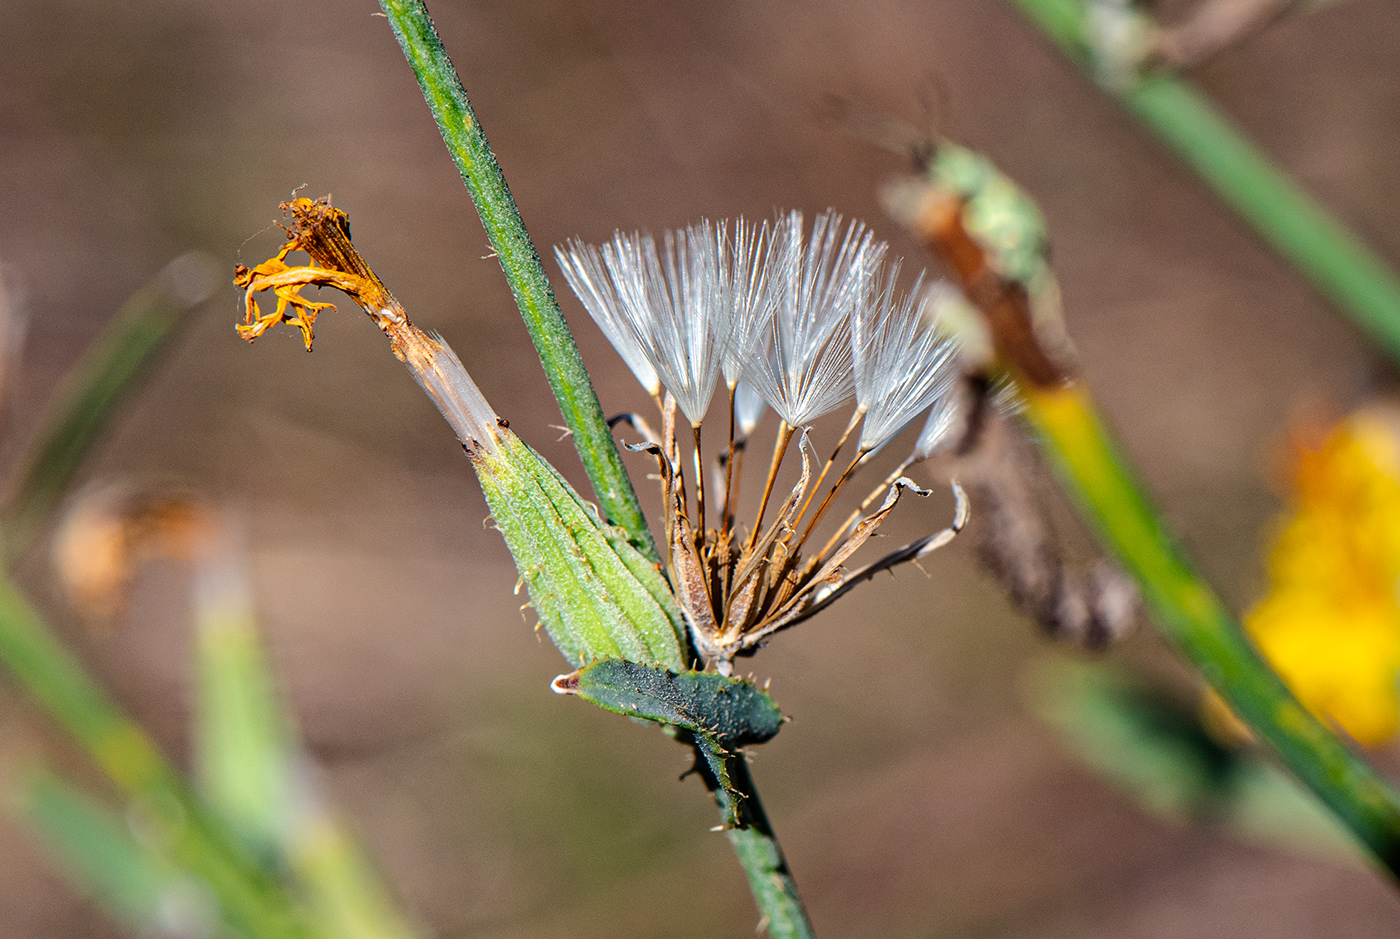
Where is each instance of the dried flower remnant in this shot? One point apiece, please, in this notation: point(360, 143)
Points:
point(796, 323)
point(596, 596)
point(1090, 605)
point(1009, 323)
point(993, 237)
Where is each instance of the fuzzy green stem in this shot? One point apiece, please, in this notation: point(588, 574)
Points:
point(573, 389)
point(130, 759)
point(1334, 260)
point(1190, 614)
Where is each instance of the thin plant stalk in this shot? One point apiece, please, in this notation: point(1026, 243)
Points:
point(830, 462)
point(1337, 263)
point(447, 99)
point(699, 483)
point(854, 517)
point(726, 518)
point(55, 679)
point(774, 890)
point(1192, 615)
point(559, 355)
point(831, 494)
point(107, 374)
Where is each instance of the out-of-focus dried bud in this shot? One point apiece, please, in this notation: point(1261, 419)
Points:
point(111, 531)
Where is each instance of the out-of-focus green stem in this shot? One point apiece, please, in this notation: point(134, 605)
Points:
point(107, 373)
point(123, 751)
point(1337, 263)
point(1190, 613)
point(252, 777)
point(516, 252)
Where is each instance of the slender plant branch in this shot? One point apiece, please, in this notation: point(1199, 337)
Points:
point(108, 373)
point(755, 846)
point(56, 680)
point(1189, 613)
point(1334, 260)
point(1187, 609)
point(573, 389)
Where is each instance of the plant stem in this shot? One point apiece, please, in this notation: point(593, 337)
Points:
point(1334, 260)
point(755, 846)
point(106, 374)
point(122, 750)
point(1189, 613)
point(573, 389)
point(774, 891)
point(109, 371)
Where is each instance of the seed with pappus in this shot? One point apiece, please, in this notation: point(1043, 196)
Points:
point(797, 321)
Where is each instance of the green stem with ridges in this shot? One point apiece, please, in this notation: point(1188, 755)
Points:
point(1334, 260)
point(1190, 614)
point(573, 389)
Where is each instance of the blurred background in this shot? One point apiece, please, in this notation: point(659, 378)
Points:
point(913, 791)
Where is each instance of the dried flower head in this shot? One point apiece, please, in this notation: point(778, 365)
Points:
point(109, 532)
point(795, 322)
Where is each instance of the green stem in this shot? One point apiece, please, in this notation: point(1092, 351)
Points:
point(1336, 262)
point(1190, 613)
point(758, 851)
point(755, 846)
point(516, 252)
point(109, 371)
point(122, 750)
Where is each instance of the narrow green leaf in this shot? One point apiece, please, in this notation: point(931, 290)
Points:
point(1269, 805)
point(718, 714)
point(345, 896)
point(58, 682)
point(251, 775)
point(242, 755)
point(1154, 747)
point(107, 373)
point(1143, 740)
point(96, 848)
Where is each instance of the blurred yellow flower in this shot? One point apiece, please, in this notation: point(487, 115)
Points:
point(1330, 623)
